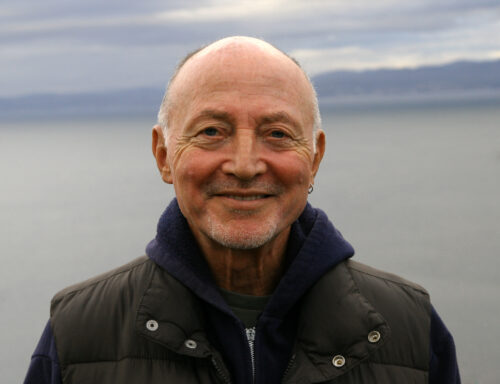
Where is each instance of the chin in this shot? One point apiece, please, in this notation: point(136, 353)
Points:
point(242, 237)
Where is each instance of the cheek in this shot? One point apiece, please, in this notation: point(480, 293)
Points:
point(190, 172)
point(292, 170)
point(193, 168)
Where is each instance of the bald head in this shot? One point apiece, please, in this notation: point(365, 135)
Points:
point(236, 56)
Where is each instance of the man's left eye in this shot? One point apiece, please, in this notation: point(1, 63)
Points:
point(211, 131)
point(278, 134)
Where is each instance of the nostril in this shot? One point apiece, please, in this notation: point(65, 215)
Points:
point(244, 168)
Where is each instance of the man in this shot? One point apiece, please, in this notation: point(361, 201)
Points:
point(244, 282)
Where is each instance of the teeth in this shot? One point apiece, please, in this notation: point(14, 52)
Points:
point(246, 198)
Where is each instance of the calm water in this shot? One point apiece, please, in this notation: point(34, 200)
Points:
point(415, 190)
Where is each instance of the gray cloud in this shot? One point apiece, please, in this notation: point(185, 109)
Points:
point(68, 46)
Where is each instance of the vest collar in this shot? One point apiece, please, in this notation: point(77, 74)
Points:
point(335, 320)
point(176, 315)
point(178, 318)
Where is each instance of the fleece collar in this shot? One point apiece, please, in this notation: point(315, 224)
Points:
point(314, 247)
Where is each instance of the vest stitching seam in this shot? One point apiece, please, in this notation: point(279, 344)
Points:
point(388, 279)
point(167, 359)
point(398, 365)
point(104, 279)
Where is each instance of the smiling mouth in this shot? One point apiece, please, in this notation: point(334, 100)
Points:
point(246, 198)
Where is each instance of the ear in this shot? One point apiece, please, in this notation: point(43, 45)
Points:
point(160, 153)
point(320, 151)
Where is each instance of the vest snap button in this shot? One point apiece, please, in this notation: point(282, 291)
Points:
point(338, 361)
point(191, 344)
point(152, 325)
point(374, 336)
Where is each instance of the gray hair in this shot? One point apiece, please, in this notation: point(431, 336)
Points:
point(165, 106)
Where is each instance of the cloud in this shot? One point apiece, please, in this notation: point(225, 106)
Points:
point(313, 15)
point(221, 11)
point(472, 43)
point(56, 44)
point(355, 58)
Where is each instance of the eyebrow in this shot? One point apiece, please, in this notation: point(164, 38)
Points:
point(270, 118)
point(281, 116)
point(217, 115)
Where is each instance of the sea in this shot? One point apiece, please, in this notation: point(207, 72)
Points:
point(414, 188)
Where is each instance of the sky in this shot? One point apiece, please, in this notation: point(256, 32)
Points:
point(74, 46)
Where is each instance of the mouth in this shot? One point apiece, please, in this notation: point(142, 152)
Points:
point(246, 198)
point(243, 192)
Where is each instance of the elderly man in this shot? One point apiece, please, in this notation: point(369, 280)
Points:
point(244, 282)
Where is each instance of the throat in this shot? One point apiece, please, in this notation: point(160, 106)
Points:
point(254, 272)
point(253, 280)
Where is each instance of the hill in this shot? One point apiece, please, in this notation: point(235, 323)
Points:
point(460, 81)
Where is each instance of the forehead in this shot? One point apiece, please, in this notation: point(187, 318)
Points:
point(228, 74)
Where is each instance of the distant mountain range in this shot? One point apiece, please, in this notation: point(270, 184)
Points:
point(456, 81)
point(138, 101)
point(463, 80)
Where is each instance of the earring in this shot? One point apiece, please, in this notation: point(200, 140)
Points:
point(311, 189)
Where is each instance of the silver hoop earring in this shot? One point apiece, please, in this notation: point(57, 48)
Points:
point(311, 189)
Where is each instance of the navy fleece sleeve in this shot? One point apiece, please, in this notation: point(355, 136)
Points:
point(44, 366)
point(443, 365)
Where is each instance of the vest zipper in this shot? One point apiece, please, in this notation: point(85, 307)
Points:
point(220, 372)
point(250, 332)
point(288, 367)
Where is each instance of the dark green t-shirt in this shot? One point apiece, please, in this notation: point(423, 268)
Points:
point(246, 307)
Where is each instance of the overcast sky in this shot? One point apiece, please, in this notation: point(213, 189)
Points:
point(93, 45)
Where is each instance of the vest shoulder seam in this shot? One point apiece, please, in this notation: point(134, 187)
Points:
point(122, 359)
point(398, 365)
point(100, 278)
point(387, 276)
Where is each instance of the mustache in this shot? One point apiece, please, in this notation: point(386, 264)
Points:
point(221, 187)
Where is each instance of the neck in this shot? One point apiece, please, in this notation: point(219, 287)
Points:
point(248, 271)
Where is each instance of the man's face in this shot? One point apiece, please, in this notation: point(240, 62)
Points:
point(239, 147)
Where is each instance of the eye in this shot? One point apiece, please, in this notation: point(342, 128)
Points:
point(210, 131)
point(278, 134)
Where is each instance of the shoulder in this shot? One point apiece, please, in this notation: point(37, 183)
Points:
point(118, 291)
point(352, 299)
point(99, 314)
point(372, 276)
point(392, 295)
point(406, 308)
point(111, 281)
point(404, 304)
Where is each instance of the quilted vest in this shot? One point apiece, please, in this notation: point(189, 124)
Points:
point(137, 324)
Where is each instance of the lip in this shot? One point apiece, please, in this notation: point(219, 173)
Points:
point(245, 197)
point(243, 200)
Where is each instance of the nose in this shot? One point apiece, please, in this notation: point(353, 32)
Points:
point(245, 160)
